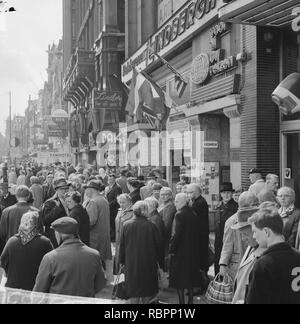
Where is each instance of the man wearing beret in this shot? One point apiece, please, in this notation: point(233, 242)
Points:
point(55, 208)
point(73, 269)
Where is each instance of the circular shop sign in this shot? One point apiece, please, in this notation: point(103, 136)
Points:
point(200, 69)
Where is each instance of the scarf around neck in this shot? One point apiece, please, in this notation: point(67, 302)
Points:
point(286, 212)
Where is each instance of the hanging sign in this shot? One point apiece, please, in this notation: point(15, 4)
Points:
point(112, 100)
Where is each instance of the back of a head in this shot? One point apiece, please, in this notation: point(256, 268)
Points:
point(248, 200)
point(152, 203)
point(23, 192)
point(140, 209)
point(268, 218)
point(34, 180)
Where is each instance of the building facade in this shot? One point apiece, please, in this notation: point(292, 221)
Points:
point(93, 50)
point(231, 71)
point(276, 23)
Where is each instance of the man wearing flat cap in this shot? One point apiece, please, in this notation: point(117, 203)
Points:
point(257, 182)
point(72, 269)
point(97, 208)
point(55, 208)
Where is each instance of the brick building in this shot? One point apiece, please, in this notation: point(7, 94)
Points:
point(276, 43)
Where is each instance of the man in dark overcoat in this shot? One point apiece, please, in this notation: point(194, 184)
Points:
point(11, 217)
point(200, 208)
point(113, 191)
point(55, 208)
point(227, 209)
point(140, 254)
point(185, 250)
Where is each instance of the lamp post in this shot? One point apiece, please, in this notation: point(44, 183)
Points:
point(10, 130)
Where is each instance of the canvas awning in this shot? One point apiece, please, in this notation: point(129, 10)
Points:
point(275, 13)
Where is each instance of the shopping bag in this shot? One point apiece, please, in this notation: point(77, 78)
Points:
point(221, 290)
point(119, 289)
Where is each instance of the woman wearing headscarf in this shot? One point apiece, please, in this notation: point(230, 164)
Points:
point(124, 215)
point(24, 252)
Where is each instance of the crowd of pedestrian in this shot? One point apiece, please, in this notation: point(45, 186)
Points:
point(58, 224)
point(258, 241)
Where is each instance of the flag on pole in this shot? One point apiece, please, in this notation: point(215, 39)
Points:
point(147, 100)
point(181, 84)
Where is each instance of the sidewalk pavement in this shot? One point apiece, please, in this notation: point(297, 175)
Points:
point(165, 296)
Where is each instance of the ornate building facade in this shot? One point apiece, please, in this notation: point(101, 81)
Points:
point(93, 50)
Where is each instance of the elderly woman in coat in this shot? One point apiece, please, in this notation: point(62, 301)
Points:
point(140, 255)
point(167, 211)
point(289, 213)
point(185, 250)
point(125, 214)
point(235, 244)
point(154, 217)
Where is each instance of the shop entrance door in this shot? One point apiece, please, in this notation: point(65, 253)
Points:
point(291, 169)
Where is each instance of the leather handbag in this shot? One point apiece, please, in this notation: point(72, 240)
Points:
point(220, 290)
point(119, 289)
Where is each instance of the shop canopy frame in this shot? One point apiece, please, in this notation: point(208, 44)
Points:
point(274, 13)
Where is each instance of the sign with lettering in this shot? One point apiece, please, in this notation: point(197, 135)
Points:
point(211, 145)
point(211, 64)
point(194, 15)
point(107, 100)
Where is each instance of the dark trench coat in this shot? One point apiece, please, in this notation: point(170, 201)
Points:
point(140, 252)
point(185, 251)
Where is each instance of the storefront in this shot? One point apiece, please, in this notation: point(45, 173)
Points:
point(204, 130)
point(284, 15)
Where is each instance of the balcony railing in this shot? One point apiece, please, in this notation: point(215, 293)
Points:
point(80, 76)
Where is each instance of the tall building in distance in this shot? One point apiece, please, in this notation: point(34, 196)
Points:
point(93, 50)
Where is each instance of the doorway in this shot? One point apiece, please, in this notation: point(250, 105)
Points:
point(291, 168)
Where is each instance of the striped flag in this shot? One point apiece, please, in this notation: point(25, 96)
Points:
point(148, 101)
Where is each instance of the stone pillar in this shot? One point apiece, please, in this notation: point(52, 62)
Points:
point(130, 27)
point(110, 15)
point(233, 113)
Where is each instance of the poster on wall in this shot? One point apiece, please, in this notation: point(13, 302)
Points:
point(210, 184)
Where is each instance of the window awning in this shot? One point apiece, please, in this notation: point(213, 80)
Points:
point(276, 13)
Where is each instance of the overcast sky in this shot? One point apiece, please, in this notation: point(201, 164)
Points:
point(24, 38)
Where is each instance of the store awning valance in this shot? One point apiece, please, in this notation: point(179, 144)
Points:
point(276, 13)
